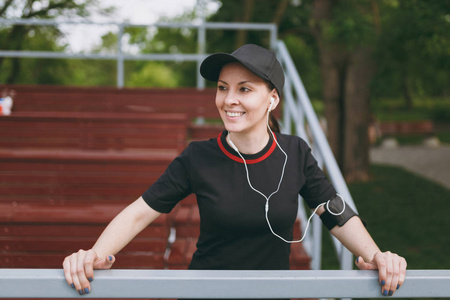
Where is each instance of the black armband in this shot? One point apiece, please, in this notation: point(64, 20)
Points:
point(337, 212)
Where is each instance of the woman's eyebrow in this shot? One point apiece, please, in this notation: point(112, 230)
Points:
point(240, 83)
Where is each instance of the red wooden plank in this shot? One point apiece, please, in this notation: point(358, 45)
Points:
point(140, 260)
point(158, 229)
point(64, 244)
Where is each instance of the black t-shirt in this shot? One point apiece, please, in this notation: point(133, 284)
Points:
point(234, 234)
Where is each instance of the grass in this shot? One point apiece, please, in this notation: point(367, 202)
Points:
point(444, 136)
point(435, 109)
point(405, 214)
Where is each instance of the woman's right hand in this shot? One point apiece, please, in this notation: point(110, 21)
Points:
point(79, 268)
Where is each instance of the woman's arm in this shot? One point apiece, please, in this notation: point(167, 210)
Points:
point(391, 267)
point(124, 227)
point(79, 267)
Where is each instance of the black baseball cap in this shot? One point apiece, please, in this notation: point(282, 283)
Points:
point(257, 59)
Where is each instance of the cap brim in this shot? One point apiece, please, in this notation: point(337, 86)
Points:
point(212, 65)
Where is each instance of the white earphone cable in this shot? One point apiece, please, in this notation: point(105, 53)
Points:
point(279, 185)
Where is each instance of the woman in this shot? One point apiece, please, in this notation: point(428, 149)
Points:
point(247, 183)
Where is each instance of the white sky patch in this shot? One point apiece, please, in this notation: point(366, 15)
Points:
point(82, 38)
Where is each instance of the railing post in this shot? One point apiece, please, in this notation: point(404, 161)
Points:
point(120, 59)
point(201, 41)
point(316, 257)
point(273, 36)
point(201, 51)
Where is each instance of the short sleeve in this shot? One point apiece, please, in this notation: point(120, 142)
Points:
point(172, 187)
point(317, 188)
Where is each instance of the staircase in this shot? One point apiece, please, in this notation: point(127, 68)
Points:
point(72, 158)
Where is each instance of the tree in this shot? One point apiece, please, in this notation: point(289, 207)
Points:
point(412, 54)
point(29, 37)
point(345, 35)
point(342, 33)
point(363, 49)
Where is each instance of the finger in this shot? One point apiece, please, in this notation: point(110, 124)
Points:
point(91, 257)
point(73, 272)
point(380, 261)
point(389, 274)
point(395, 273)
point(105, 263)
point(362, 265)
point(84, 282)
point(66, 267)
point(402, 276)
point(110, 261)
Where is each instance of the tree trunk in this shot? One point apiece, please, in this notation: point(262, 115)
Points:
point(406, 91)
point(242, 35)
point(346, 92)
point(332, 69)
point(360, 71)
point(279, 13)
point(333, 76)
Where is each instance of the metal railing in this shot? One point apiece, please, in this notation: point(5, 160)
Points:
point(120, 57)
point(298, 111)
point(50, 283)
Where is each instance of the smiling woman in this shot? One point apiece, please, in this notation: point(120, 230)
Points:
point(243, 104)
point(249, 86)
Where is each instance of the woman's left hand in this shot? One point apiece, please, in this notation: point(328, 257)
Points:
point(391, 269)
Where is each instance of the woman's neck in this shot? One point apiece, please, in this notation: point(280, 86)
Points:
point(248, 144)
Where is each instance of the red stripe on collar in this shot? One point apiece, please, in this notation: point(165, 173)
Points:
point(248, 161)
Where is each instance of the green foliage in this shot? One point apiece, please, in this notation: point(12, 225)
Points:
point(90, 73)
point(29, 37)
point(37, 71)
point(410, 39)
point(306, 59)
point(352, 24)
point(153, 74)
point(413, 49)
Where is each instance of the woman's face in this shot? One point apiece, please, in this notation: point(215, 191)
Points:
point(243, 99)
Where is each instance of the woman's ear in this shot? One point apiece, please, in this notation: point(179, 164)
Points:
point(274, 100)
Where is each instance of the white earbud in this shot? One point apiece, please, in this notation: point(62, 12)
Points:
point(272, 100)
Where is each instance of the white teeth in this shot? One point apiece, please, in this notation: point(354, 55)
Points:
point(234, 114)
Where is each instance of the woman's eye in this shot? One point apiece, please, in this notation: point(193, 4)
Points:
point(244, 89)
point(221, 88)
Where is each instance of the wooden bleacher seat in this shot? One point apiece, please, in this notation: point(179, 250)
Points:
point(195, 103)
point(88, 130)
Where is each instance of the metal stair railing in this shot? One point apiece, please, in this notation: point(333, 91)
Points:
point(299, 114)
point(120, 56)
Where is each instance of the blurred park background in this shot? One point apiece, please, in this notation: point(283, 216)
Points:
point(364, 63)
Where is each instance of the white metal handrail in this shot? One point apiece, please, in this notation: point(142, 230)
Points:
point(50, 283)
point(299, 111)
point(121, 57)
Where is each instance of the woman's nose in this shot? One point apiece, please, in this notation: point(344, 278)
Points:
point(231, 99)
